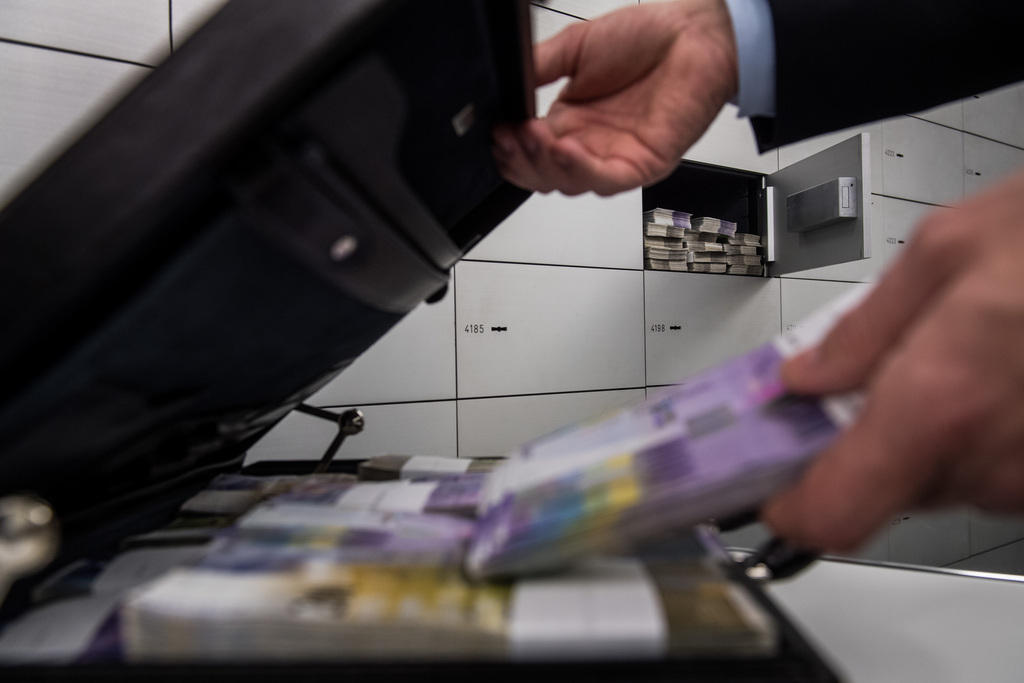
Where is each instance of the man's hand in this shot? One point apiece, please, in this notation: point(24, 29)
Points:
point(645, 82)
point(939, 348)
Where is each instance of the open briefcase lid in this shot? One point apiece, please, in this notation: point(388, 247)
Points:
point(247, 221)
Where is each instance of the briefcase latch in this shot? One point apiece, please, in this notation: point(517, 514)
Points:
point(28, 538)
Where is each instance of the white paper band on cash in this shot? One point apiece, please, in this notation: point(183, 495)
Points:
point(397, 496)
point(432, 465)
point(407, 497)
point(605, 608)
point(812, 330)
point(288, 515)
point(364, 496)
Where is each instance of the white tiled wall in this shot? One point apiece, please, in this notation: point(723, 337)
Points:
point(729, 141)
point(547, 329)
point(494, 426)
point(415, 361)
point(987, 161)
point(584, 9)
point(426, 428)
point(579, 231)
point(997, 115)
point(951, 115)
point(922, 161)
point(131, 30)
point(46, 98)
point(563, 275)
point(188, 15)
point(718, 316)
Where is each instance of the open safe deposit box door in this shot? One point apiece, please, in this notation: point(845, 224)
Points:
point(817, 211)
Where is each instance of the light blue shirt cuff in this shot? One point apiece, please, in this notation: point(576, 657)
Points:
point(755, 48)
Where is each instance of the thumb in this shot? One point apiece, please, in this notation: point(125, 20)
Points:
point(880, 466)
point(559, 56)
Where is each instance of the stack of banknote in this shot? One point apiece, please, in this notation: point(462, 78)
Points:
point(664, 253)
point(672, 264)
point(715, 225)
point(287, 534)
point(668, 218)
point(742, 260)
point(739, 255)
point(745, 239)
point(664, 248)
point(707, 268)
point(605, 608)
point(422, 467)
point(456, 495)
point(704, 245)
point(674, 241)
point(744, 252)
point(575, 553)
point(746, 270)
point(706, 262)
point(300, 577)
point(233, 494)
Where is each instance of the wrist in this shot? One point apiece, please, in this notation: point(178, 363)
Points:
point(710, 23)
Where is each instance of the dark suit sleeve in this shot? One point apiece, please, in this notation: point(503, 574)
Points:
point(844, 62)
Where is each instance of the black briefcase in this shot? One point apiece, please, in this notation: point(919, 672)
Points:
point(246, 222)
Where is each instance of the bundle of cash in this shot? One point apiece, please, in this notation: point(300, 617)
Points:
point(456, 495)
point(667, 217)
point(716, 225)
point(741, 260)
point(233, 494)
point(658, 230)
point(740, 249)
point(289, 516)
point(704, 246)
point(665, 264)
point(663, 242)
point(390, 467)
point(606, 608)
point(664, 254)
point(699, 236)
point(707, 267)
point(746, 270)
point(745, 238)
point(715, 446)
point(283, 535)
point(705, 257)
point(315, 610)
point(366, 541)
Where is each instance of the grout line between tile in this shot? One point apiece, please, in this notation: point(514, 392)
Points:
point(24, 43)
